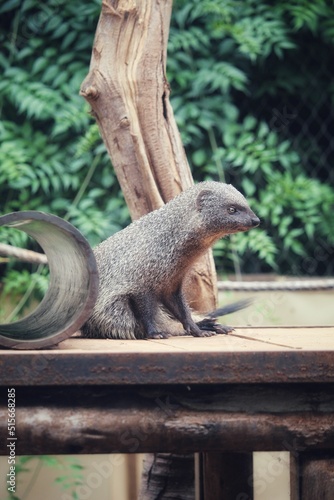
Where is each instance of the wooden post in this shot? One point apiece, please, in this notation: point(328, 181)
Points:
point(128, 92)
point(168, 476)
point(294, 475)
point(227, 476)
point(317, 478)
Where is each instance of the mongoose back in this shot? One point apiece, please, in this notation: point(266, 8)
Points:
point(142, 267)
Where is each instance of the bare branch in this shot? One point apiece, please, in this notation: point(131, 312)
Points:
point(22, 254)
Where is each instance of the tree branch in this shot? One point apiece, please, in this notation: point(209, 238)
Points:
point(22, 254)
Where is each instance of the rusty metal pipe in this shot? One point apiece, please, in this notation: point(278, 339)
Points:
point(73, 285)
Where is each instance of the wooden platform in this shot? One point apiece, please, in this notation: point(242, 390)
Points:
point(261, 389)
point(265, 355)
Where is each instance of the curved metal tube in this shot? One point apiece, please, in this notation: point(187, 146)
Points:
point(73, 285)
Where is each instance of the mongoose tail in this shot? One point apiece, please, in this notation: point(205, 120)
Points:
point(142, 268)
point(230, 308)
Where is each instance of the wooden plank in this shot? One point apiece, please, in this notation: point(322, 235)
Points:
point(227, 475)
point(305, 338)
point(242, 339)
point(235, 418)
point(182, 360)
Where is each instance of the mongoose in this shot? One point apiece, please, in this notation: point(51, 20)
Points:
point(142, 267)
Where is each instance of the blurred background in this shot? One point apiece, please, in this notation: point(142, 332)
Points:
point(252, 91)
point(117, 477)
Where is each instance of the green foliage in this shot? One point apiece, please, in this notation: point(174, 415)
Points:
point(20, 288)
point(234, 69)
point(237, 87)
point(70, 470)
point(293, 207)
point(50, 146)
point(51, 155)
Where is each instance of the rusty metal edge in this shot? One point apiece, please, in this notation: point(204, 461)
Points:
point(59, 368)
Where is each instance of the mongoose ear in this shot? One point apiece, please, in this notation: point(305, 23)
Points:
point(202, 196)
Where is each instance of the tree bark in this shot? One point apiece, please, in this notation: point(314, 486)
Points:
point(128, 92)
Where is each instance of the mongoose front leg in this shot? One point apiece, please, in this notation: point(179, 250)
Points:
point(178, 306)
point(145, 308)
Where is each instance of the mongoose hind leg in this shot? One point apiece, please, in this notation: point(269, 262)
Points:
point(177, 305)
point(145, 308)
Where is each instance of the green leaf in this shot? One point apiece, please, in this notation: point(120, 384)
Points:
point(9, 5)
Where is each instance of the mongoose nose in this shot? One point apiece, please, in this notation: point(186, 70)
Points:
point(255, 221)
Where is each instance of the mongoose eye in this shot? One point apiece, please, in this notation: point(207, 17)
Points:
point(231, 210)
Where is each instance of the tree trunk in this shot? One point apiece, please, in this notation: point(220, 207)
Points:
point(169, 476)
point(129, 95)
point(128, 92)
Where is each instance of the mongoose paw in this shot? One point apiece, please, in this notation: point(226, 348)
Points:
point(223, 329)
point(204, 333)
point(196, 331)
point(157, 335)
point(209, 324)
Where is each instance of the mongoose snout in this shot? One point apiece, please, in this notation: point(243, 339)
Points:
point(250, 222)
point(142, 267)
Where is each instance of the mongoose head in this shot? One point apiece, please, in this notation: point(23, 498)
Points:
point(224, 210)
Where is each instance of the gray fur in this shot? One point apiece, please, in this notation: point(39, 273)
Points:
point(142, 267)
